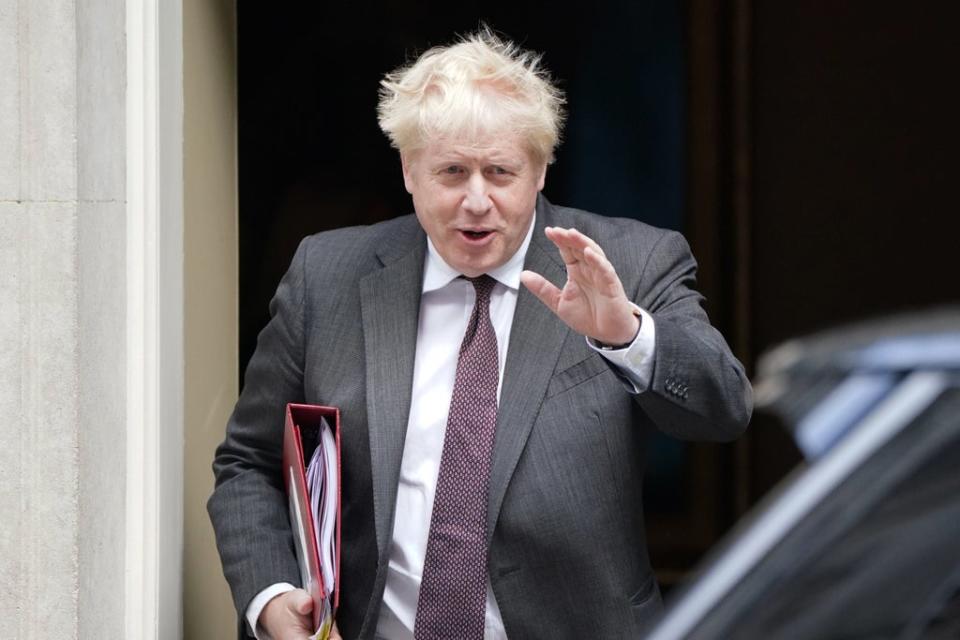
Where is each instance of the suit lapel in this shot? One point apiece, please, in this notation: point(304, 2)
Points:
point(536, 336)
point(390, 306)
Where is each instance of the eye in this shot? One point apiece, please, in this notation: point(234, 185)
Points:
point(499, 171)
point(452, 170)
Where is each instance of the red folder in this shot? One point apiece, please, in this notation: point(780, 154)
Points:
point(301, 436)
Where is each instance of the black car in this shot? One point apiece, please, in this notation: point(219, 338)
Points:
point(863, 540)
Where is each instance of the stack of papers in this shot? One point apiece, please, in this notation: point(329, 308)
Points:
point(311, 461)
point(322, 490)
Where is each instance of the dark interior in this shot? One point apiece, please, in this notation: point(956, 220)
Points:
point(807, 150)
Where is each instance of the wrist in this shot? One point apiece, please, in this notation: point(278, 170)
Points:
point(254, 614)
point(629, 335)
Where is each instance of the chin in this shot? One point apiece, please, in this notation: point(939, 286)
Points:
point(474, 266)
point(472, 270)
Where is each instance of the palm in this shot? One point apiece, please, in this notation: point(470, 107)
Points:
point(592, 302)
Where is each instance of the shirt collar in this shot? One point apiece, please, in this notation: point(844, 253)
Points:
point(438, 274)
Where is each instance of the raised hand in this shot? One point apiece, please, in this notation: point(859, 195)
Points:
point(592, 302)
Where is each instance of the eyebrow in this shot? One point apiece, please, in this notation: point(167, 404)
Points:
point(445, 161)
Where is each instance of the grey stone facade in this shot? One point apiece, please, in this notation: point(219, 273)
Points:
point(62, 318)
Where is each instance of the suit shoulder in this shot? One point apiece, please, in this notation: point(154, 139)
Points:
point(355, 248)
point(617, 235)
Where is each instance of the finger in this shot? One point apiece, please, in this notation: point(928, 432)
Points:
point(601, 272)
point(558, 236)
point(572, 244)
point(580, 242)
point(301, 602)
point(539, 286)
point(335, 633)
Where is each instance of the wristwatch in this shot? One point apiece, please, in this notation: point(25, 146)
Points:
point(614, 347)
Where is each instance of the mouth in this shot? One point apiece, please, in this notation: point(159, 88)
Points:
point(475, 236)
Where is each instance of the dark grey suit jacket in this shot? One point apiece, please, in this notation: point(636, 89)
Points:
point(567, 549)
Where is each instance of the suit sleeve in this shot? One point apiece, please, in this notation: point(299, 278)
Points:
point(699, 390)
point(248, 507)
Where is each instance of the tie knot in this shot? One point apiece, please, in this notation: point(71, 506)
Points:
point(483, 285)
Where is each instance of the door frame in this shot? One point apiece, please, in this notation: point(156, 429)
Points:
point(154, 319)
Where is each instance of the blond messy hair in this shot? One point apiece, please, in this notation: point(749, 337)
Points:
point(478, 87)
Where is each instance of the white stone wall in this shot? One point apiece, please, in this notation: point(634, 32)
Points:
point(62, 357)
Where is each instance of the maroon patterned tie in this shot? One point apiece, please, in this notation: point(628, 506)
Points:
point(454, 585)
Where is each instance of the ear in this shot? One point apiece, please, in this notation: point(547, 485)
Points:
point(407, 163)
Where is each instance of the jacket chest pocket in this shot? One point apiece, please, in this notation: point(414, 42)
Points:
point(590, 367)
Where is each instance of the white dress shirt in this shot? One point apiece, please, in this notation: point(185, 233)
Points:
point(446, 304)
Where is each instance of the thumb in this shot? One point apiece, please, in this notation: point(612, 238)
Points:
point(539, 286)
point(301, 602)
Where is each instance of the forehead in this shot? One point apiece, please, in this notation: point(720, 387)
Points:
point(506, 148)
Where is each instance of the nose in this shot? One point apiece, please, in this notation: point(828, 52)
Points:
point(476, 200)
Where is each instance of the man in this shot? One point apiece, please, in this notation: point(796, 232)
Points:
point(493, 434)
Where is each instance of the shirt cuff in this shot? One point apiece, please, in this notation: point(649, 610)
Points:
point(635, 361)
point(255, 608)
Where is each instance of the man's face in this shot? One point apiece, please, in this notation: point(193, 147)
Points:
point(474, 200)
